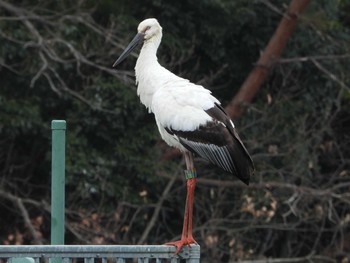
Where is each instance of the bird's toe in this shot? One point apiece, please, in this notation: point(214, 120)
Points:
point(181, 243)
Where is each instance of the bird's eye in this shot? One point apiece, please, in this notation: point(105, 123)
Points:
point(147, 28)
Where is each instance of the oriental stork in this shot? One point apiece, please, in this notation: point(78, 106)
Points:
point(188, 118)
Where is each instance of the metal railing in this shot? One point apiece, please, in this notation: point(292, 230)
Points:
point(99, 254)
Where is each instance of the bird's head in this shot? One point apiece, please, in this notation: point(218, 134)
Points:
point(148, 30)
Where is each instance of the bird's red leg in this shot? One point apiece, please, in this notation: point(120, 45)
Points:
point(183, 241)
point(186, 237)
point(191, 177)
point(192, 183)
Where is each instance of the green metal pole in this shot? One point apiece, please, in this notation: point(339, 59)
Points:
point(58, 128)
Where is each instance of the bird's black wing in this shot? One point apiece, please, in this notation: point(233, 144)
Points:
point(218, 142)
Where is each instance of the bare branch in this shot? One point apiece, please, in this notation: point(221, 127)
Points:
point(156, 211)
point(311, 58)
point(273, 7)
point(19, 202)
point(330, 75)
point(20, 13)
point(26, 219)
point(41, 71)
point(51, 83)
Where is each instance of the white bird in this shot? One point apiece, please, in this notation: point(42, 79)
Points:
point(188, 118)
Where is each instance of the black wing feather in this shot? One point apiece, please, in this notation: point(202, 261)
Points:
point(218, 142)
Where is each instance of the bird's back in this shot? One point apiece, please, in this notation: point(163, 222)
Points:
point(218, 142)
point(190, 118)
point(181, 105)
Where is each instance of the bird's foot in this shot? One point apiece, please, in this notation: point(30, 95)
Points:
point(191, 240)
point(181, 243)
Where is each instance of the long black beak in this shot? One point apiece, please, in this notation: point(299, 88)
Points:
point(136, 40)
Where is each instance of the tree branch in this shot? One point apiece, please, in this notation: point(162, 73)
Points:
point(157, 210)
point(268, 58)
point(311, 58)
point(19, 202)
point(26, 219)
point(330, 75)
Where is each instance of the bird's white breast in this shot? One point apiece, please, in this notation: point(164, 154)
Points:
point(150, 79)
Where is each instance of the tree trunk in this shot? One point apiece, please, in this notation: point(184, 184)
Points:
point(267, 59)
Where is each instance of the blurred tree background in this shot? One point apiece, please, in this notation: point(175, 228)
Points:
point(55, 63)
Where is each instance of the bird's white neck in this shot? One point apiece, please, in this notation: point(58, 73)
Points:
point(148, 54)
point(146, 67)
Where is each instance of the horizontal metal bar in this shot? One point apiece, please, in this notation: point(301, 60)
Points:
point(100, 251)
